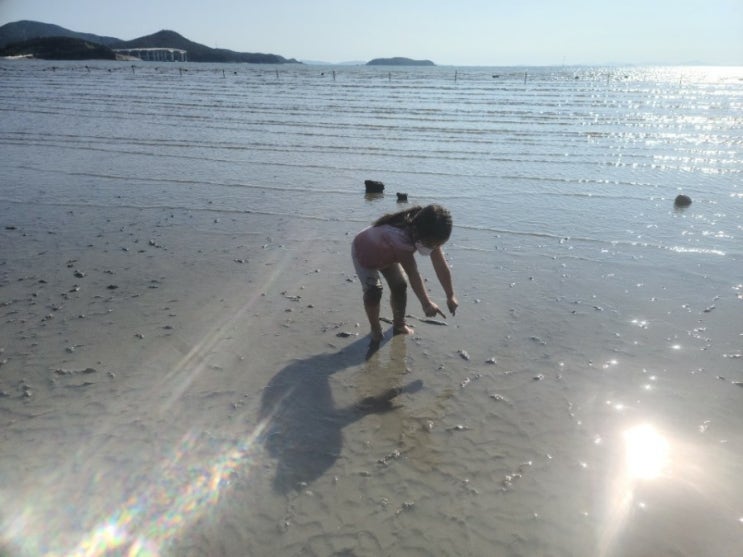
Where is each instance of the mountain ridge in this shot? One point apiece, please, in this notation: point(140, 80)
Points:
point(31, 31)
point(24, 30)
point(58, 48)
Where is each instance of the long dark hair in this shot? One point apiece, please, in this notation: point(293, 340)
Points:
point(431, 223)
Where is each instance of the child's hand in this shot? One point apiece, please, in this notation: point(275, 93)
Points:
point(432, 310)
point(453, 304)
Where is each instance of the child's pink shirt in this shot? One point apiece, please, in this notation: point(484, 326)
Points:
point(377, 247)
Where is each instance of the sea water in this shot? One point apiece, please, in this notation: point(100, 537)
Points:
point(590, 155)
point(601, 323)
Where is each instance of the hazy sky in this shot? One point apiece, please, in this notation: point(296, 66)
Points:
point(451, 32)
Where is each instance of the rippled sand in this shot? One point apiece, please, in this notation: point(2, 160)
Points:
point(175, 384)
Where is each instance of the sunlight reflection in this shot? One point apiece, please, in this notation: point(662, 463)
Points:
point(647, 452)
point(669, 491)
point(647, 457)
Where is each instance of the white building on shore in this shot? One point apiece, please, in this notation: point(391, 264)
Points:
point(155, 54)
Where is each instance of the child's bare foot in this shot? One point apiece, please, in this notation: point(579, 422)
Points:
point(377, 336)
point(402, 330)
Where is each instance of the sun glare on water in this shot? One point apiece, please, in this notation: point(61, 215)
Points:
point(646, 453)
point(645, 456)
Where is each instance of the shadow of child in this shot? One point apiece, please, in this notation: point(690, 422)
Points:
point(304, 427)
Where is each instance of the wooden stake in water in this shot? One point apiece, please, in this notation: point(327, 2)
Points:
point(525, 74)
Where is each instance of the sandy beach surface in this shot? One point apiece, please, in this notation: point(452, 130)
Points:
point(200, 384)
point(136, 346)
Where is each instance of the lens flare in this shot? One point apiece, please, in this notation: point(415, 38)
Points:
point(147, 516)
point(158, 509)
point(148, 521)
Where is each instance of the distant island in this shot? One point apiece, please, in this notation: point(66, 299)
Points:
point(52, 42)
point(399, 61)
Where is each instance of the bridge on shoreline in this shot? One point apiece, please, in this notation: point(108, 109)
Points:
point(155, 54)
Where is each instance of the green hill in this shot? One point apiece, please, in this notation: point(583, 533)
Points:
point(200, 53)
point(22, 31)
point(25, 30)
point(59, 48)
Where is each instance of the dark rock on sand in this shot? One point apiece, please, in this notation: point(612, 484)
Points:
point(402, 197)
point(682, 201)
point(373, 186)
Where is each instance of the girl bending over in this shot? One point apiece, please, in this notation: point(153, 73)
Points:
point(387, 247)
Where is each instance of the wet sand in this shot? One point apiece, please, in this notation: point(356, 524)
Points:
point(193, 383)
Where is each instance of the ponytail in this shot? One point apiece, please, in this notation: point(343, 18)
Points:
point(431, 223)
point(401, 219)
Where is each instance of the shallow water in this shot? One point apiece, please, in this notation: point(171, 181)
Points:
point(609, 422)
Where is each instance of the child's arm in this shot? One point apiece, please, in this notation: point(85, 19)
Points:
point(444, 275)
point(416, 283)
